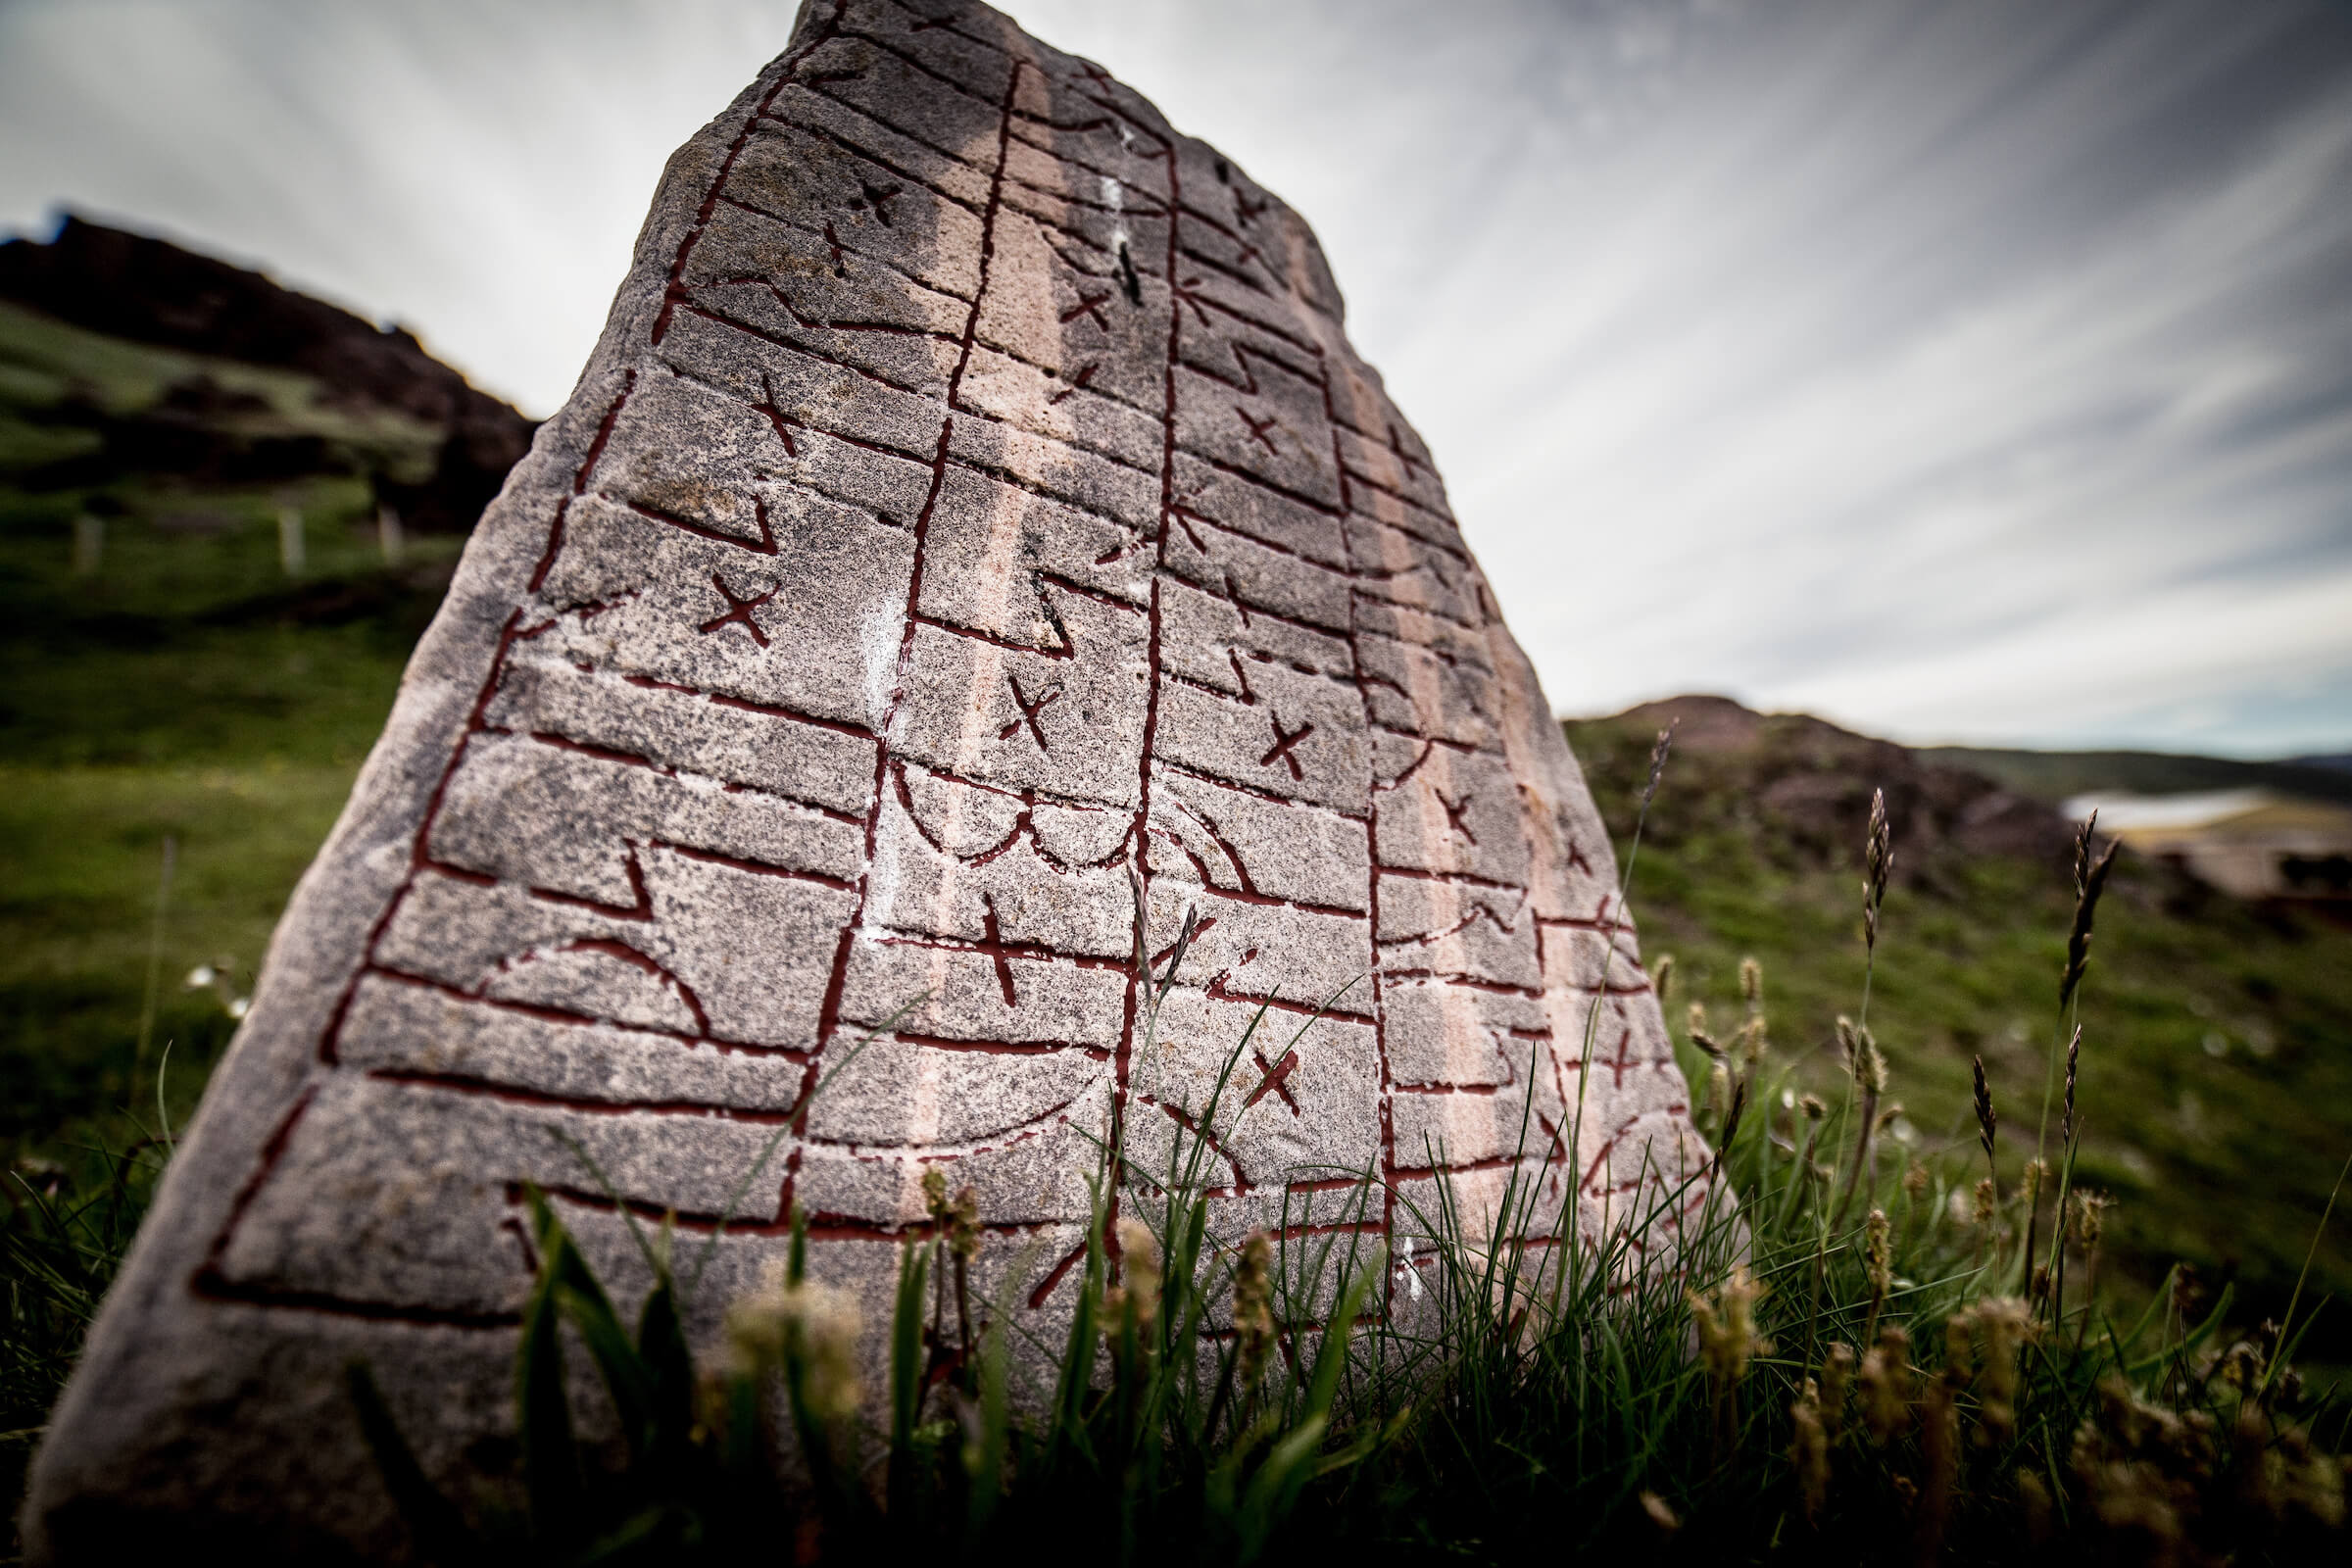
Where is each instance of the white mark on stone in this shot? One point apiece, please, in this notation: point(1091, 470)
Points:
point(878, 642)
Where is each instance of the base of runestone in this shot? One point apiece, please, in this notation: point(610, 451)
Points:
point(973, 553)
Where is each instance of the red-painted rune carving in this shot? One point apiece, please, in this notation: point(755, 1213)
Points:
point(1258, 428)
point(1030, 709)
point(1272, 1079)
point(1453, 815)
point(1285, 747)
point(1090, 305)
point(739, 611)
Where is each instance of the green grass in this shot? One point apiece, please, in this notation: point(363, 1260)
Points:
point(189, 691)
point(2217, 1039)
point(1884, 1382)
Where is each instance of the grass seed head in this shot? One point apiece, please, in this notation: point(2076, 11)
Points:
point(1254, 1304)
point(1987, 1203)
point(1727, 1326)
point(1878, 1253)
point(807, 1329)
point(1915, 1181)
point(1661, 979)
point(1751, 983)
point(1836, 1382)
point(1885, 1381)
point(1139, 1269)
point(1877, 864)
point(2005, 1324)
point(2089, 884)
point(2088, 1207)
point(1809, 1452)
point(957, 1219)
point(1657, 765)
point(1696, 1022)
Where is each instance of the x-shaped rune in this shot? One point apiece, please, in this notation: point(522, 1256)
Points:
point(739, 611)
point(1454, 813)
point(1029, 713)
point(1273, 1081)
point(1258, 428)
point(1284, 742)
point(1089, 304)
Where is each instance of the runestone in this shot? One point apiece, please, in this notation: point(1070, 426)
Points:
point(973, 517)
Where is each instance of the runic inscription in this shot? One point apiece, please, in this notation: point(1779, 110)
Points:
point(973, 512)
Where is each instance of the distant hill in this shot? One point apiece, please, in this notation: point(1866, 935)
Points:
point(1814, 780)
point(2053, 776)
point(2340, 760)
point(122, 353)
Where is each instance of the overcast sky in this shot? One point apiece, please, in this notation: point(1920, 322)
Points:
point(1963, 371)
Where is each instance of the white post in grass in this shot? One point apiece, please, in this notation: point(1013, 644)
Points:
point(387, 533)
point(289, 540)
point(89, 544)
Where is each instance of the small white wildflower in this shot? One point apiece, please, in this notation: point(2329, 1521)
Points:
point(203, 974)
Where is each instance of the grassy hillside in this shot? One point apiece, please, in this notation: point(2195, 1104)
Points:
point(186, 688)
point(66, 392)
point(2217, 1056)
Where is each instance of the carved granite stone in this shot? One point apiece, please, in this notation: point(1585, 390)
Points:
point(973, 505)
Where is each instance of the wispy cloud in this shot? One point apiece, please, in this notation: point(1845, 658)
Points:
point(1970, 369)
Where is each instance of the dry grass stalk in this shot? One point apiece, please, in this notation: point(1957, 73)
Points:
point(2066, 1121)
point(1878, 864)
point(1866, 1068)
point(1986, 1123)
point(2090, 880)
point(1809, 1453)
point(1877, 1255)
